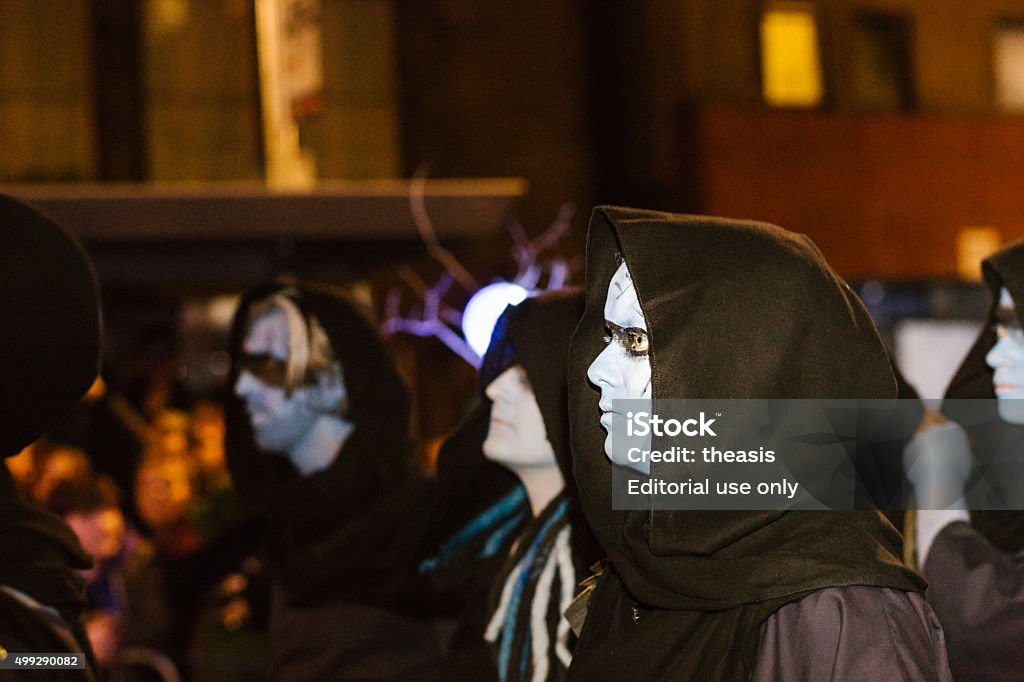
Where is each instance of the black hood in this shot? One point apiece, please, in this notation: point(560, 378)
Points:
point(535, 334)
point(50, 350)
point(50, 338)
point(355, 523)
point(378, 406)
point(481, 510)
point(1005, 267)
point(973, 380)
point(734, 310)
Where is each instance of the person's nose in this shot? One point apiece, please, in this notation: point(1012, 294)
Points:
point(492, 390)
point(499, 387)
point(998, 356)
point(245, 383)
point(602, 370)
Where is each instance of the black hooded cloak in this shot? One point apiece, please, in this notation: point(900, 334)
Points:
point(734, 310)
point(537, 334)
point(341, 539)
point(975, 571)
point(534, 334)
point(973, 379)
point(50, 349)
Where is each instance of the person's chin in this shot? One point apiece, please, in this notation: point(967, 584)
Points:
point(494, 450)
point(1011, 407)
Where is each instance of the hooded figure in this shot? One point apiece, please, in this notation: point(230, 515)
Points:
point(50, 350)
point(730, 309)
point(317, 440)
point(976, 560)
point(526, 549)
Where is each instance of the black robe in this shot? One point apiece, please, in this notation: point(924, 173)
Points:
point(479, 509)
point(976, 572)
point(734, 310)
point(340, 540)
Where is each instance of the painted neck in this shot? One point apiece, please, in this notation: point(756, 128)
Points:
point(542, 485)
point(317, 450)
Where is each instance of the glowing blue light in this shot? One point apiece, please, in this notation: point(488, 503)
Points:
point(484, 309)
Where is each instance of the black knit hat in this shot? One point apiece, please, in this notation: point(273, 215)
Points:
point(50, 335)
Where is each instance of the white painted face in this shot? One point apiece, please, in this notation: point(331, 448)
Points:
point(623, 369)
point(280, 420)
point(1007, 361)
point(516, 438)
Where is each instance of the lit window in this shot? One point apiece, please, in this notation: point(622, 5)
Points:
point(1008, 49)
point(790, 57)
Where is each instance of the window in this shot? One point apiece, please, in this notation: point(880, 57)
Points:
point(880, 64)
point(1008, 64)
point(791, 73)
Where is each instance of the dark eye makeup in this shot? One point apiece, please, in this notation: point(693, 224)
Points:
point(633, 339)
point(266, 368)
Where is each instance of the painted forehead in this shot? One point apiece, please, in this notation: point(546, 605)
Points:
point(622, 305)
point(268, 335)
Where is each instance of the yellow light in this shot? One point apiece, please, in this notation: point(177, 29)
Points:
point(974, 244)
point(790, 61)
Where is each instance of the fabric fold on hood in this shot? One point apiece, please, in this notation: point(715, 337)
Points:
point(734, 309)
point(973, 380)
point(41, 553)
point(349, 530)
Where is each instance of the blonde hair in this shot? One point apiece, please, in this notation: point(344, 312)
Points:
point(309, 347)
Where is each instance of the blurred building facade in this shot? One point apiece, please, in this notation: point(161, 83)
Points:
point(612, 101)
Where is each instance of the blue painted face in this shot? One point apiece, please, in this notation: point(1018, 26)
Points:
point(1007, 361)
point(623, 369)
point(281, 419)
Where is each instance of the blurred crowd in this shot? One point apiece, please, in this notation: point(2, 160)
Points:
point(176, 588)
